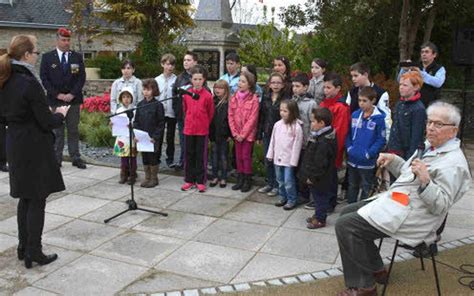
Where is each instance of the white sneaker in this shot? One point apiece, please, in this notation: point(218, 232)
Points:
point(265, 189)
point(273, 192)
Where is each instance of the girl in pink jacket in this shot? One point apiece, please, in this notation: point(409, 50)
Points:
point(284, 151)
point(243, 119)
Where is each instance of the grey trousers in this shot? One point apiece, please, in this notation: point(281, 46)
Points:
point(72, 124)
point(359, 253)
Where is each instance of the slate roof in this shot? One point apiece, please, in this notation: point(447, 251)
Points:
point(34, 13)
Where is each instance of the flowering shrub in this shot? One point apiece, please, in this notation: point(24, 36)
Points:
point(97, 103)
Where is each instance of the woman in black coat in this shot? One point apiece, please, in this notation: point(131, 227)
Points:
point(34, 172)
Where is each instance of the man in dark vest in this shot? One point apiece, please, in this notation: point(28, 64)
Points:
point(63, 76)
point(433, 73)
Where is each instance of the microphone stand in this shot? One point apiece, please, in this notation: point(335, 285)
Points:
point(132, 204)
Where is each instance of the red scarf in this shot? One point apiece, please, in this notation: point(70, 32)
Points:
point(416, 97)
point(330, 101)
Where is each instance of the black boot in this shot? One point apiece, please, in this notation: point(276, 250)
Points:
point(38, 257)
point(247, 183)
point(20, 250)
point(240, 181)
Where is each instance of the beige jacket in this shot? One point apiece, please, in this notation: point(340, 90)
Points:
point(418, 221)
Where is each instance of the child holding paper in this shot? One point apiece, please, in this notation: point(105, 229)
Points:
point(150, 117)
point(128, 167)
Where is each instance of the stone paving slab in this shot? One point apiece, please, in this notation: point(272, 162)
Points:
point(258, 213)
point(91, 275)
point(139, 248)
point(81, 235)
point(156, 281)
point(106, 190)
point(51, 221)
point(266, 266)
point(157, 197)
point(241, 235)
point(74, 205)
point(14, 270)
point(205, 205)
point(304, 245)
point(32, 291)
point(127, 220)
point(210, 241)
point(206, 261)
point(6, 242)
point(177, 224)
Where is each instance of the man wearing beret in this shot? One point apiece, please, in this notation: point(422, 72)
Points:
point(63, 75)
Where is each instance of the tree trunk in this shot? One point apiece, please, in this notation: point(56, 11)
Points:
point(403, 31)
point(413, 30)
point(430, 22)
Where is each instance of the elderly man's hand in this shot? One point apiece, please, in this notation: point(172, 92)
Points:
point(420, 169)
point(385, 159)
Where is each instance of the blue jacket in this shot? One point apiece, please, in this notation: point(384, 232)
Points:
point(366, 139)
point(408, 128)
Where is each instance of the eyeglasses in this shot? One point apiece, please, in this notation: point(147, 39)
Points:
point(438, 124)
point(276, 82)
point(36, 52)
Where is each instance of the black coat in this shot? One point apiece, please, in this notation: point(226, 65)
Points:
point(219, 129)
point(34, 172)
point(150, 117)
point(319, 160)
point(55, 82)
point(269, 114)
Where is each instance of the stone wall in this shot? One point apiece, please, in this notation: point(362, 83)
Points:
point(97, 87)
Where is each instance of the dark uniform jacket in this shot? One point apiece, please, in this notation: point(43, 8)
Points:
point(34, 172)
point(55, 81)
point(269, 114)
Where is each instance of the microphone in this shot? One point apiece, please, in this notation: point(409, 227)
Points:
point(185, 92)
point(420, 150)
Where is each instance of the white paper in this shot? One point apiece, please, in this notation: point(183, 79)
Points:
point(144, 143)
point(119, 126)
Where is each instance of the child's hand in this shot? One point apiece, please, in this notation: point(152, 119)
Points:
point(309, 182)
point(239, 138)
point(259, 142)
point(270, 159)
point(135, 140)
point(229, 139)
point(152, 140)
point(110, 123)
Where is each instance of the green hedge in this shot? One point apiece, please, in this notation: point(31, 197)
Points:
point(94, 129)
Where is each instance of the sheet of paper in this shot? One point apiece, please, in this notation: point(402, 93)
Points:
point(119, 126)
point(144, 143)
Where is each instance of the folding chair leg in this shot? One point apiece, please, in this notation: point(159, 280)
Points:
point(422, 262)
point(390, 268)
point(436, 274)
point(380, 243)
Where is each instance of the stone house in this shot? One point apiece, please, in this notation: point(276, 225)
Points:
point(43, 18)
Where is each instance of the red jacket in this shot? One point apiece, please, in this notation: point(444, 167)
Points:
point(341, 117)
point(198, 113)
point(243, 116)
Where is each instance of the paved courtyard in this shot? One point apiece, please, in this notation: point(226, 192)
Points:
point(221, 238)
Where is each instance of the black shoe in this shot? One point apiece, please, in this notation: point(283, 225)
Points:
point(247, 184)
point(170, 164)
point(4, 168)
point(289, 206)
point(79, 163)
point(41, 259)
point(240, 182)
point(281, 203)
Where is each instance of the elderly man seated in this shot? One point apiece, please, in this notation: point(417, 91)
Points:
point(412, 209)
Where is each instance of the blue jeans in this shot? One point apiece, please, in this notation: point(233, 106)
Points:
point(219, 155)
point(321, 203)
point(181, 140)
point(270, 168)
point(359, 179)
point(286, 183)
